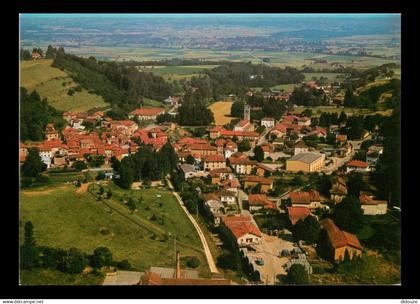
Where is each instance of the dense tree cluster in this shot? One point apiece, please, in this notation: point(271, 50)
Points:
point(269, 107)
point(115, 82)
point(387, 176)
point(53, 52)
point(193, 111)
point(348, 215)
point(72, 260)
point(35, 114)
point(33, 164)
point(303, 96)
point(146, 164)
point(25, 54)
point(235, 77)
point(369, 98)
point(307, 230)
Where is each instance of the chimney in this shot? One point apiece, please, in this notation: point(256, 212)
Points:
point(178, 266)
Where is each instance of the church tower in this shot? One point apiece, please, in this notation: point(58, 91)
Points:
point(247, 112)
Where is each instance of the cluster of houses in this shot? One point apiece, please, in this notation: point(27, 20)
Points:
point(115, 138)
point(217, 158)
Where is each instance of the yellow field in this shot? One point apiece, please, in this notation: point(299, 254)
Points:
point(221, 111)
point(48, 81)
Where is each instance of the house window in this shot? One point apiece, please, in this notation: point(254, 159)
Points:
point(249, 240)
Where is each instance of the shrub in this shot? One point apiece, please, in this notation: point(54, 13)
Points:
point(123, 265)
point(102, 256)
point(25, 182)
point(193, 262)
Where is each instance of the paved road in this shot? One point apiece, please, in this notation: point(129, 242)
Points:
point(209, 257)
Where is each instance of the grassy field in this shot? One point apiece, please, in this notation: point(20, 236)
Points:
point(55, 277)
point(53, 84)
point(63, 218)
point(152, 103)
point(349, 111)
point(373, 270)
point(221, 110)
point(286, 87)
point(329, 76)
point(171, 73)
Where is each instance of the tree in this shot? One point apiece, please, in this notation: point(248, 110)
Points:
point(33, 164)
point(193, 262)
point(29, 239)
point(25, 54)
point(126, 173)
point(73, 261)
point(307, 230)
point(297, 275)
point(258, 154)
point(51, 257)
point(100, 176)
point(79, 165)
point(256, 189)
point(307, 112)
point(123, 265)
point(244, 146)
point(237, 109)
point(102, 256)
point(29, 256)
point(190, 160)
point(342, 118)
point(131, 204)
point(348, 215)
point(109, 193)
point(354, 127)
point(355, 183)
point(50, 54)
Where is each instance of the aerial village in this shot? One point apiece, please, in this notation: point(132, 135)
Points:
point(246, 192)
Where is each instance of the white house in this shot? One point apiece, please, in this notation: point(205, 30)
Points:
point(371, 206)
point(227, 197)
point(268, 122)
point(357, 166)
point(188, 171)
point(242, 229)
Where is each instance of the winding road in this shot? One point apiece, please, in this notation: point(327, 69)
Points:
point(209, 257)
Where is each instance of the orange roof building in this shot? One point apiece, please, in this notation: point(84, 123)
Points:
point(341, 241)
point(242, 229)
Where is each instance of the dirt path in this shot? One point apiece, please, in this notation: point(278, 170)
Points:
point(83, 188)
point(209, 257)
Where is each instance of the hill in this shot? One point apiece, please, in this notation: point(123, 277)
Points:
point(64, 218)
point(53, 84)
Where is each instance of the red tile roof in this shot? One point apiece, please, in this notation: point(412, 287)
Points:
point(243, 123)
point(258, 179)
point(367, 200)
point(214, 158)
point(239, 133)
point(339, 238)
point(241, 161)
point(357, 163)
point(297, 213)
point(241, 225)
point(147, 111)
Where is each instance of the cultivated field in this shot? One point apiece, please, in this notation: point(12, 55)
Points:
point(171, 73)
point(277, 58)
point(63, 218)
point(53, 84)
point(349, 111)
point(221, 111)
